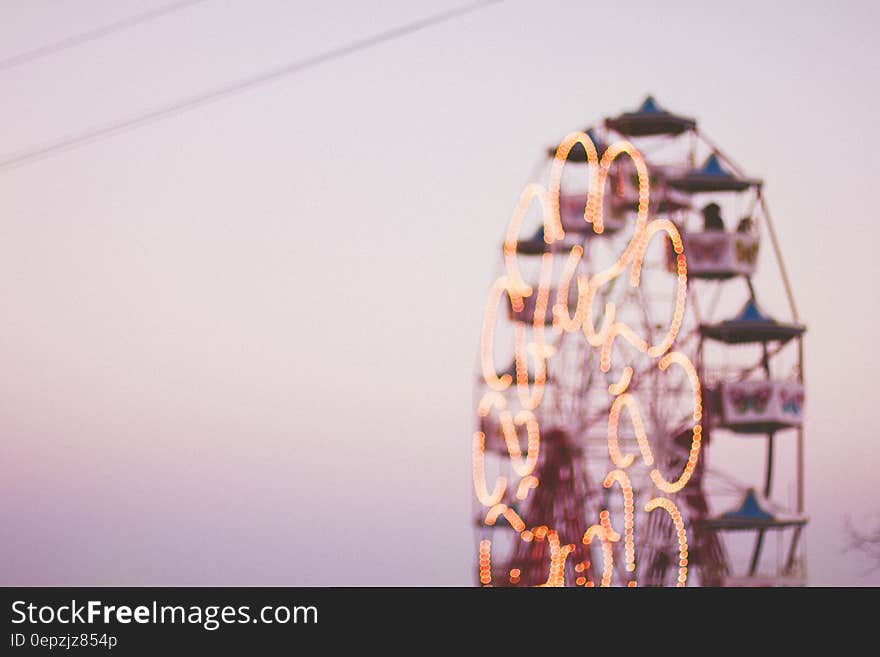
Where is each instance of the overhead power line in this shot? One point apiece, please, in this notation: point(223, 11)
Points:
point(84, 37)
point(133, 122)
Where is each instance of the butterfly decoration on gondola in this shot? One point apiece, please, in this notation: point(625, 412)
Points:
point(754, 400)
point(792, 402)
point(706, 250)
point(746, 253)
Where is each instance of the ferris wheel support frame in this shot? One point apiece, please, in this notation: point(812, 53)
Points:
point(783, 272)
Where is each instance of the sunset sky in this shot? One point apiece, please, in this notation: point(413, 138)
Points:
point(238, 344)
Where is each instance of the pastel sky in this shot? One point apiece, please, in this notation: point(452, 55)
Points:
point(238, 345)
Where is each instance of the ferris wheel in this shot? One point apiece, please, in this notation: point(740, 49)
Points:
point(639, 411)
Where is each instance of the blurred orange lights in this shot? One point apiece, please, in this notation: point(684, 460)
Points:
point(509, 514)
point(622, 479)
point(670, 508)
point(697, 431)
point(485, 562)
point(526, 485)
point(486, 498)
point(514, 419)
point(514, 575)
point(553, 222)
point(603, 533)
point(558, 555)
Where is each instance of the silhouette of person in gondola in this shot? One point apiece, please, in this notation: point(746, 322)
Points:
point(712, 217)
point(745, 225)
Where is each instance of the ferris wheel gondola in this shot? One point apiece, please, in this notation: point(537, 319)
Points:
point(713, 177)
point(650, 120)
point(752, 514)
point(752, 326)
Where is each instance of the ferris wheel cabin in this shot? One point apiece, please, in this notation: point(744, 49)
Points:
point(650, 120)
point(752, 513)
point(751, 326)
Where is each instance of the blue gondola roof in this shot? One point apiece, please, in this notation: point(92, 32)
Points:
point(712, 176)
point(650, 119)
point(750, 509)
point(752, 325)
point(751, 515)
point(751, 313)
point(650, 106)
point(712, 167)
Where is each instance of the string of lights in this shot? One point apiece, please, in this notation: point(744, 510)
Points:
point(524, 300)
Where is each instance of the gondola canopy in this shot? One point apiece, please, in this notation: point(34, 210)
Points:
point(650, 119)
point(713, 176)
point(751, 325)
point(751, 514)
